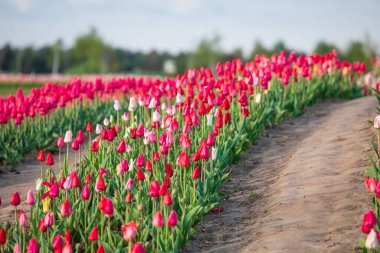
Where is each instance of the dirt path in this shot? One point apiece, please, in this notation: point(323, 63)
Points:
point(299, 188)
point(23, 180)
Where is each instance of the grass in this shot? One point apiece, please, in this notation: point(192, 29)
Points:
point(11, 88)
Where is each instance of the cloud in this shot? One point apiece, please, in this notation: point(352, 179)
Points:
point(87, 2)
point(22, 5)
point(176, 6)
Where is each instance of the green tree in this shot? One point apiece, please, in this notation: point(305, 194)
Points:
point(323, 47)
point(207, 53)
point(260, 49)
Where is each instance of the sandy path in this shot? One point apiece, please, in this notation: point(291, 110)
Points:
point(24, 180)
point(299, 188)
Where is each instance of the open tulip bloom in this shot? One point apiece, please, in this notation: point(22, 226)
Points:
point(159, 149)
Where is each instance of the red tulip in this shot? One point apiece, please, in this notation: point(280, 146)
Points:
point(204, 151)
point(196, 173)
point(106, 205)
point(154, 189)
point(3, 236)
point(86, 192)
point(137, 248)
point(371, 184)
point(148, 165)
point(22, 219)
point(100, 249)
point(183, 160)
point(158, 220)
point(172, 219)
point(66, 208)
point(49, 159)
point(57, 243)
point(33, 246)
point(129, 231)
point(41, 156)
point(41, 226)
point(140, 174)
point(210, 140)
point(94, 146)
point(140, 162)
point(76, 181)
point(75, 145)
point(124, 165)
point(80, 137)
point(89, 127)
point(184, 141)
point(169, 170)
point(156, 156)
point(140, 130)
point(100, 185)
point(94, 234)
point(128, 198)
point(68, 236)
point(102, 171)
point(121, 146)
point(15, 199)
point(369, 221)
point(167, 199)
point(87, 179)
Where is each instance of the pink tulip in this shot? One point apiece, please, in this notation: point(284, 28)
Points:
point(66, 208)
point(158, 220)
point(172, 219)
point(129, 231)
point(33, 246)
point(30, 199)
point(22, 219)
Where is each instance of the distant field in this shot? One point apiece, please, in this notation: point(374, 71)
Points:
point(11, 88)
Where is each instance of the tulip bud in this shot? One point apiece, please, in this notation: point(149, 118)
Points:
point(67, 248)
point(376, 122)
point(48, 220)
point(33, 246)
point(132, 104)
point(49, 159)
point(117, 105)
point(100, 249)
point(86, 192)
point(68, 137)
point(129, 184)
point(196, 173)
point(214, 153)
point(137, 248)
point(167, 199)
point(258, 98)
point(75, 145)
point(94, 234)
point(125, 116)
point(38, 184)
point(16, 248)
point(3, 236)
point(57, 243)
point(98, 129)
point(156, 116)
point(15, 199)
point(173, 219)
point(22, 219)
point(89, 127)
point(60, 142)
point(41, 156)
point(106, 122)
point(66, 208)
point(30, 199)
point(371, 242)
point(128, 198)
point(154, 189)
point(158, 220)
point(129, 231)
point(100, 185)
point(121, 146)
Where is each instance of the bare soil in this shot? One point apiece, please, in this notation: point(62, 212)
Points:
point(299, 187)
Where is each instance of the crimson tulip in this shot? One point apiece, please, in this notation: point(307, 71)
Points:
point(94, 234)
point(172, 219)
point(137, 248)
point(129, 231)
point(33, 246)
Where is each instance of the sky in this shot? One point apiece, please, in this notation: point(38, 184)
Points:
point(176, 25)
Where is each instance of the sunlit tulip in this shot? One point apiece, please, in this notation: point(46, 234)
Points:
point(158, 220)
point(33, 246)
point(49, 159)
point(68, 136)
point(38, 184)
point(100, 185)
point(172, 219)
point(57, 243)
point(258, 98)
point(129, 231)
point(30, 199)
point(94, 234)
point(372, 242)
point(369, 221)
point(17, 248)
point(106, 122)
point(371, 184)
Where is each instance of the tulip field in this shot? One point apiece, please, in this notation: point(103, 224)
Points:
point(151, 153)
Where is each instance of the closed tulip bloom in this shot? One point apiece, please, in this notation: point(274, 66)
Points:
point(376, 122)
point(132, 104)
point(124, 164)
point(67, 248)
point(49, 159)
point(41, 226)
point(80, 137)
point(210, 140)
point(128, 198)
point(15, 199)
point(121, 146)
point(75, 145)
point(371, 242)
point(129, 184)
point(167, 199)
point(156, 116)
point(183, 160)
point(156, 156)
point(48, 220)
point(60, 142)
point(102, 171)
point(107, 207)
point(30, 199)
point(86, 192)
point(100, 249)
point(258, 98)
point(94, 146)
point(98, 129)
point(369, 221)
point(22, 219)
point(57, 243)
point(125, 116)
point(41, 156)
point(106, 122)
point(152, 103)
point(66, 208)
point(38, 184)
point(158, 220)
point(129, 231)
point(17, 248)
point(3, 236)
point(172, 219)
point(140, 162)
point(371, 184)
point(68, 136)
point(214, 153)
point(33, 246)
point(196, 173)
point(100, 185)
point(117, 105)
point(154, 189)
point(204, 151)
point(94, 234)
point(89, 127)
point(137, 248)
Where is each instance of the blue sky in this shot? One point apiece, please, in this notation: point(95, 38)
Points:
point(175, 25)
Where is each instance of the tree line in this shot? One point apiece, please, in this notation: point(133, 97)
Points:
point(90, 54)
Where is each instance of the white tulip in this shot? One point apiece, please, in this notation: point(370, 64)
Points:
point(38, 184)
point(376, 122)
point(132, 104)
point(106, 122)
point(258, 98)
point(68, 137)
point(371, 242)
point(98, 129)
point(117, 105)
point(209, 119)
point(214, 153)
point(152, 103)
point(156, 116)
